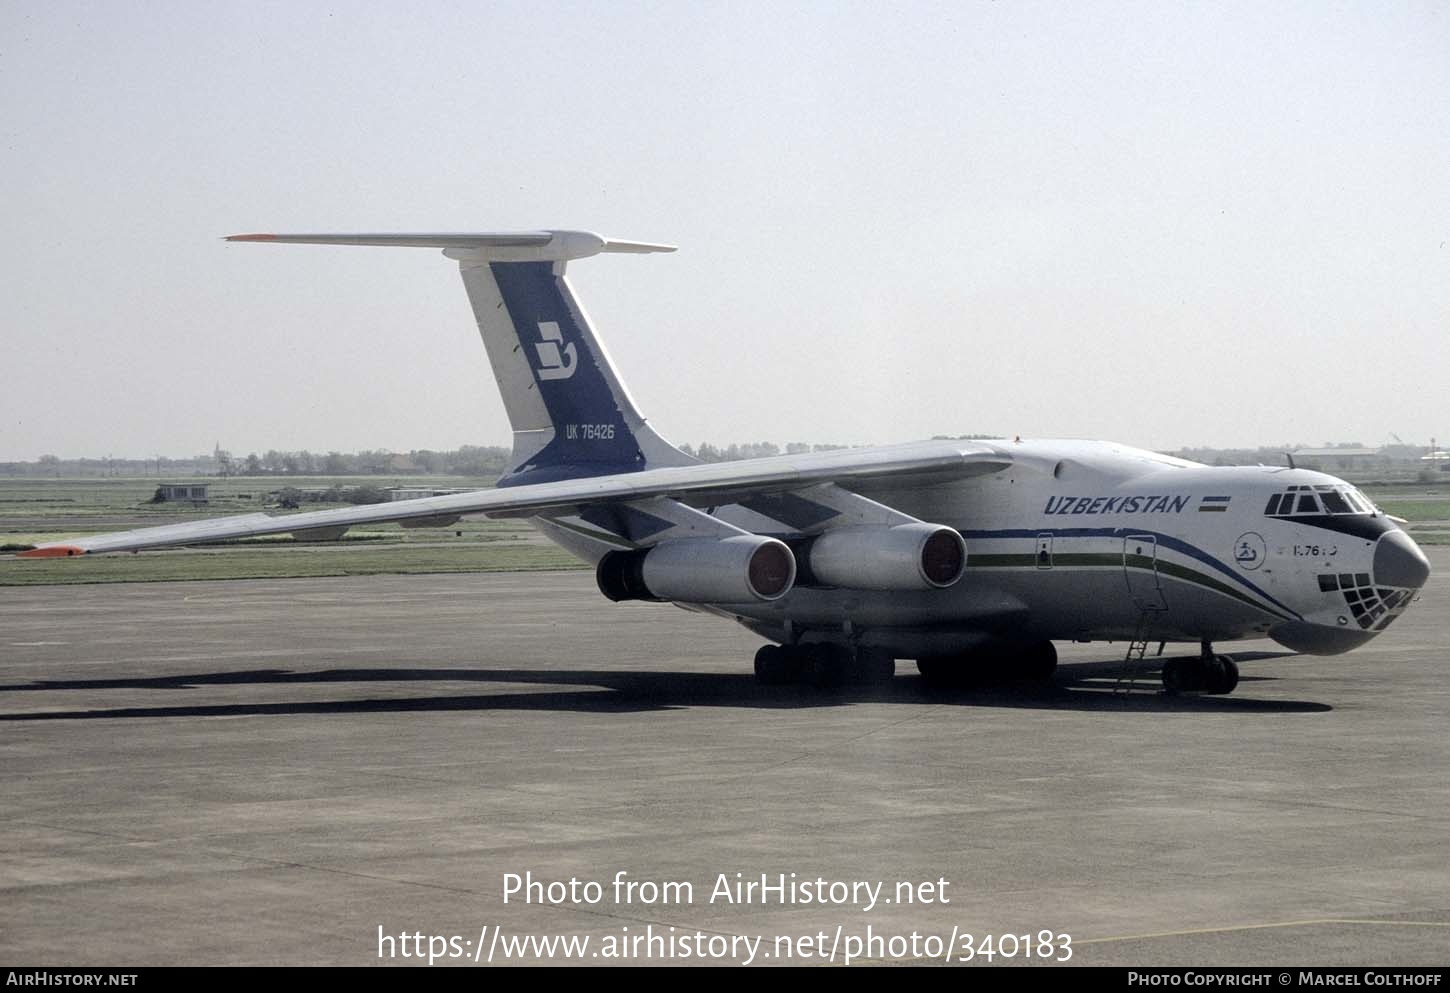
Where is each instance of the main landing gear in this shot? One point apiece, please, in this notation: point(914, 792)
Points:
point(998, 661)
point(1209, 673)
point(822, 665)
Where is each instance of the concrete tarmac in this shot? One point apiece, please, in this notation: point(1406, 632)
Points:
point(277, 772)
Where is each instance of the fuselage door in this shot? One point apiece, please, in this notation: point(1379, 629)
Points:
point(1044, 550)
point(1140, 568)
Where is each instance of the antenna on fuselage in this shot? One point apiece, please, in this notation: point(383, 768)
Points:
point(1290, 457)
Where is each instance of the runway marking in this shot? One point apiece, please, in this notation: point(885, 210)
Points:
point(36, 644)
point(1258, 927)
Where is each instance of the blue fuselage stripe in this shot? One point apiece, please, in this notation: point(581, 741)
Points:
point(1166, 540)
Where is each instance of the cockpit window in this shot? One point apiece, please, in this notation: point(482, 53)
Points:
point(1304, 500)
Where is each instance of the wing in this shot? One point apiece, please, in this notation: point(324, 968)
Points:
point(751, 482)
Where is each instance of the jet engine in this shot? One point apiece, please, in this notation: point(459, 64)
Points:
point(738, 569)
point(905, 557)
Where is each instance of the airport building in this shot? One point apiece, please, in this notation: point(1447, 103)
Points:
point(181, 493)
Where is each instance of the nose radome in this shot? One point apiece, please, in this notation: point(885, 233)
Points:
point(1398, 561)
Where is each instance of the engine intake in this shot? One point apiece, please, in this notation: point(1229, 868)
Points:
point(905, 557)
point(737, 569)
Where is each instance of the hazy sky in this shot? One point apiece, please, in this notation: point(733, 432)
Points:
point(1166, 224)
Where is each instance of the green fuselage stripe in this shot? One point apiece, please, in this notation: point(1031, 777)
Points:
point(1112, 560)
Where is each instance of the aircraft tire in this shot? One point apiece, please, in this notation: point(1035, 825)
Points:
point(827, 665)
point(773, 665)
point(1223, 678)
point(941, 670)
point(874, 667)
point(930, 669)
point(1176, 677)
point(1041, 661)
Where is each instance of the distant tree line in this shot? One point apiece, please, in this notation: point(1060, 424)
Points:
point(751, 450)
point(492, 460)
point(470, 460)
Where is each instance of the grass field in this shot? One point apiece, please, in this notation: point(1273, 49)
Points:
point(33, 511)
point(1417, 510)
point(1426, 509)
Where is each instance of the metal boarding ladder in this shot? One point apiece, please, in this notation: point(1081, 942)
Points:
point(1134, 664)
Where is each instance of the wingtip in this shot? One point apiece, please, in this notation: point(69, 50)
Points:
point(250, 237)
point(636, 247)
point(52, 552)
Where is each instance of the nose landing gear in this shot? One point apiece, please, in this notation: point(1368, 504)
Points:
point(1216, 675)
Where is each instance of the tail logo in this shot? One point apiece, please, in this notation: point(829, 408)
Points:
point(553, 363)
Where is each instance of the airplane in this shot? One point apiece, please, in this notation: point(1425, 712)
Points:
point(955, 554)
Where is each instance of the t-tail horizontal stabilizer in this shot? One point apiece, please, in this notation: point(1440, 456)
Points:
point(495, 246)
point(571, 414)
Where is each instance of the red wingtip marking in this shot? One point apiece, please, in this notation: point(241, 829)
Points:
point(53, 552)
point(250, 237)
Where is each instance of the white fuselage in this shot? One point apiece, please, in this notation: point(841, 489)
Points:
point(1094, 541)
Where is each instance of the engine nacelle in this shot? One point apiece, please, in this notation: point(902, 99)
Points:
point(904, 557)
point(738, 569)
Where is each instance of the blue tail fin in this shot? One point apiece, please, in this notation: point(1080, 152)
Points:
point(571, 414)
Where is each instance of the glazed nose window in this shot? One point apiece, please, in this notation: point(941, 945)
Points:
point(1301, 500)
